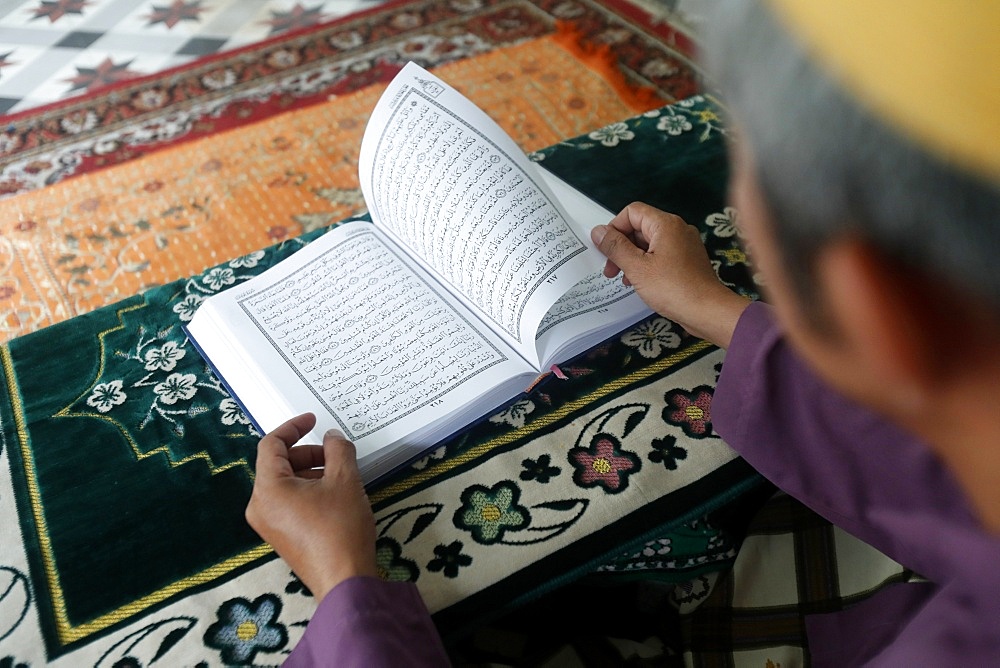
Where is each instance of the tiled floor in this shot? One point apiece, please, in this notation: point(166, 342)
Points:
point(53, 49)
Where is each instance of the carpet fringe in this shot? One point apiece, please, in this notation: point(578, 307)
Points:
point(599, 58)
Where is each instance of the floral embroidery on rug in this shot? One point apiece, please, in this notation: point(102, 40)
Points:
point(390, 563)
point(448, 559)
point(652, 337)
point(243, 629)
point(490, 512)
point(604, 463)
point(539, 469)
point(667, 452)
point(690, 410)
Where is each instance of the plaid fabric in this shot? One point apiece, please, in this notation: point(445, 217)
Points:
point(792, 563)
point(754, 615)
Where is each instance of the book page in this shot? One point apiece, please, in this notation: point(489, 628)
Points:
point(446, 181)
point(598, 305)
point(354, 330)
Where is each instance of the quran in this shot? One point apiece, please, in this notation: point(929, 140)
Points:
point(475, 275)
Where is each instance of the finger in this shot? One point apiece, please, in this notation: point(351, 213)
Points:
point(636, 236)
point(289, 433)
point(643, 223)
point(304, 457)
point(340, 454)
point(619, 248)
point(272, 451)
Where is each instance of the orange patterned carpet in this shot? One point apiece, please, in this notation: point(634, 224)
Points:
point(92, 240)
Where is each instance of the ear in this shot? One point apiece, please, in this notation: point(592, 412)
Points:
point(885, 318)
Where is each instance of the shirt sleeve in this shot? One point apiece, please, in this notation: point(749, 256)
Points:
point(366, 622)
point(845, 462)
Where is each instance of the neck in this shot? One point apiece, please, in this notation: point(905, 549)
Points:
point(963, 427)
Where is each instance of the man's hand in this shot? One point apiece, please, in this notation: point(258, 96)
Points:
point(308, 502)
point(664, 259)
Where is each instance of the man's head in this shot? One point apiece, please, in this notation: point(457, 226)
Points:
point(879, 235)
point(827, 166)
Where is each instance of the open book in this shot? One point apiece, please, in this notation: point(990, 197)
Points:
point(475, 275)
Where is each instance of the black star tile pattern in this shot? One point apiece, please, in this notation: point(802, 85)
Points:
point(53, 49)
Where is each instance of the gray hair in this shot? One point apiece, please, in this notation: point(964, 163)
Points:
point(827, 167)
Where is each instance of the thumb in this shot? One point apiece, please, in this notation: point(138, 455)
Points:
point(618, 248)
point(339, 454)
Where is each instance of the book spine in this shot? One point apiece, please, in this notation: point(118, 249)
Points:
point(229, 388)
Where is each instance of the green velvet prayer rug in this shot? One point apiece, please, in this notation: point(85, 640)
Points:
point(128, 466)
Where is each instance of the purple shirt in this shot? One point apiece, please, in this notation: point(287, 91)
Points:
point(852, 467)
point(878, 483)
point(368, 623)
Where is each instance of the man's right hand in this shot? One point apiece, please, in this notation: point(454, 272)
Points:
point(664, 259)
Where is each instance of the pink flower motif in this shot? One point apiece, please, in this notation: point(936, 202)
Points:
point(692, 411)
point(277, 233)
point(604, 463)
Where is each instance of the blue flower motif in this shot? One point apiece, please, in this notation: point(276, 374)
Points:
point(489, 512)
point(245, 628)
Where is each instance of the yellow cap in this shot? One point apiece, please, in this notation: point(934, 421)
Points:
point(931, 68)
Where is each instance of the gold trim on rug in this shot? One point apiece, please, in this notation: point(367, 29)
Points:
point(542, 422)
point(140, 454)
point(67, 631)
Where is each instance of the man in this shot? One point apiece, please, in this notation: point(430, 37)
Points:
point(867, 179)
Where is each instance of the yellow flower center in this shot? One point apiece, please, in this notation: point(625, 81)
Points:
point(246, 631)
point(734, 255)
point(601, 465)
point(694, 413)
point(490, 512)
point(381, 573)
point(707, 116)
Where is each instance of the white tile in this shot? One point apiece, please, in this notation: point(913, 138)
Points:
point(11, 36)
point(34, 74)
point(861, 567)
point(120, 43)
point(108, 13)
point(765, 572)
point(20, 60)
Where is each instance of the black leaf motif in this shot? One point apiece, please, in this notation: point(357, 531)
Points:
point(561, 504)
point(420, 524)
point(633, 421)
point(169, 641)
